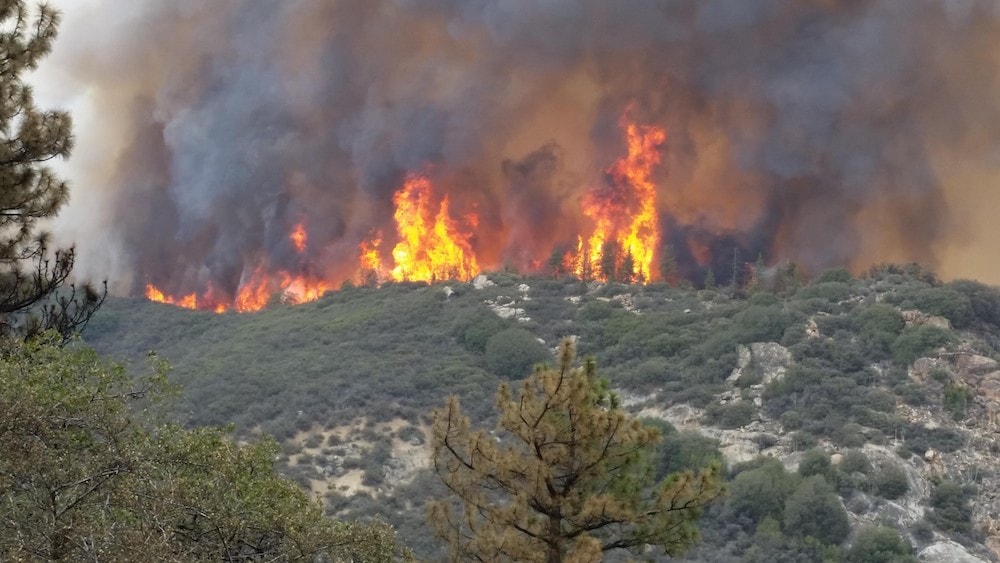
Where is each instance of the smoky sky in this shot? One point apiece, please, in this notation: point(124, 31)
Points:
point(832, 133)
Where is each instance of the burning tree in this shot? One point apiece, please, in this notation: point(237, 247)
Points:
point(566, 477)
point(29, 190)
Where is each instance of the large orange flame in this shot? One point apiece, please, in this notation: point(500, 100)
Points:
point(624, 213)
point(432, 246)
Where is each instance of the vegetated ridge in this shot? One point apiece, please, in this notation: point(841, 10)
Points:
point(876, 397)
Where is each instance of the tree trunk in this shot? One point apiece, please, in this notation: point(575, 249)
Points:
point(555, 540)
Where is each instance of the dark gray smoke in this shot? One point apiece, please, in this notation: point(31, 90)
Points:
point(826, 132)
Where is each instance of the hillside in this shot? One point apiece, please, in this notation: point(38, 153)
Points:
point(886, 385)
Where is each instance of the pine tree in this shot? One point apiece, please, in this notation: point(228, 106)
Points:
point(626, 272)
point(90, 473)
point(710, 279)
point(566, 477)
point(668, 265)
point(756, 282)
point(30, 275)
point(609, 261)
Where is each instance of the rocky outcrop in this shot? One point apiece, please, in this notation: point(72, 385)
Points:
point(947, 552)
point(768, 360)
point(482, 282)
point(919, 318)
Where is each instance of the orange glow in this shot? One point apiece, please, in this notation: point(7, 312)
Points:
point(154, 294)
point(299, 237)
point(432, 245)
point(301, 289)
point(188, 301)
point(701, 253)
point(433, 242)
point(253, 294)
point(256, 290)
point(625, 212)
point(372, 271)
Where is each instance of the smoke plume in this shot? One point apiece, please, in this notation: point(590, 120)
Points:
point(830, 133)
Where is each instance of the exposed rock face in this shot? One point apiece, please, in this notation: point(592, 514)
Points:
point(481, 282)
point(947, 552)
point(918, 318)
point(974, 364)
point(768, 359)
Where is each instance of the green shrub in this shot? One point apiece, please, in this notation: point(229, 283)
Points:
point(879, 544)
point(761, 324)
point(731, 415)
point(915, 342)
point(815, 462)
point(830, 292)
point(891, 482)
point(950, 507)
point(513, 352)
point(684, 450)
point(474, 335)
point(957, 399)
point(984, 301)
point(761, 491)
point(944, 302)
point(814, 510)
point(835, 275)
point(802, 440)
point(855, 461)
point(595, 311)
point(879, 318)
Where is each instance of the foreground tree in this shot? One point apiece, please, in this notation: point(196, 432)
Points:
point(566, 477)
point(87, 474)
point(30, 275)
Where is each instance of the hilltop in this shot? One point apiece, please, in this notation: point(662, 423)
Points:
point(887, 385)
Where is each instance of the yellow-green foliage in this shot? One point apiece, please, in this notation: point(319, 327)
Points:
point(89, 473)
point(566, 475)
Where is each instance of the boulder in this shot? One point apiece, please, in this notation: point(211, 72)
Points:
point(974, 364)
point(917, 318)
point(947, 552)
point(769, 359)
point(481, 281)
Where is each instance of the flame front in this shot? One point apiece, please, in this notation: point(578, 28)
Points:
point(432, 246)
point(624, 213)
point(189, 301)
point(257, 288)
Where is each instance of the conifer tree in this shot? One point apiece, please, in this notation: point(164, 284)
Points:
point(609, 261)
point(566, 476)
point(710, 279)
point(30, 275)
point(91, 471)
point(668, 265)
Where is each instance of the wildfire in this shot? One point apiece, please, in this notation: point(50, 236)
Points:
point(432, 246)
point(624, 213)
point(257, 289)
point(188, 301)
point(431, 243)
